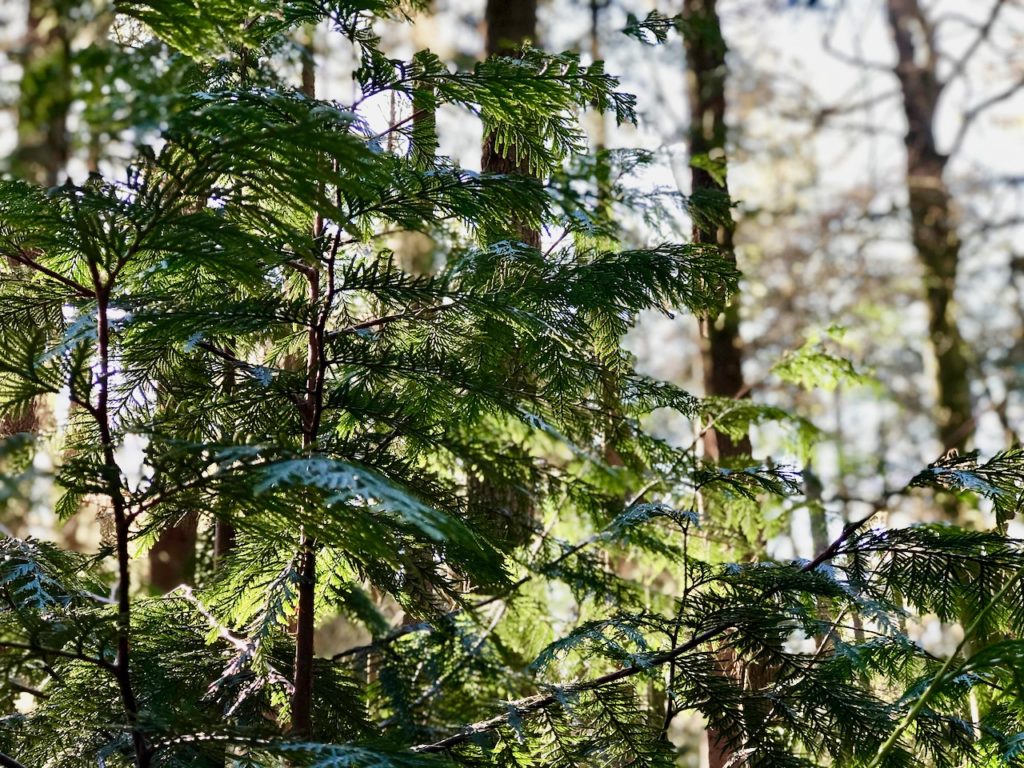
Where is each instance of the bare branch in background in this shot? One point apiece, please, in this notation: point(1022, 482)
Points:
point(984, 30)
point(974, 112)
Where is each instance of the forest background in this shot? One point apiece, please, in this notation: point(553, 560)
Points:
point(817, 168)
point(895, 338)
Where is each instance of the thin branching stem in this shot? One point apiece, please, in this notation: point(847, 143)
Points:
point(43, 651)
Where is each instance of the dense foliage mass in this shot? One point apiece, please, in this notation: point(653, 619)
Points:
point(371, 437)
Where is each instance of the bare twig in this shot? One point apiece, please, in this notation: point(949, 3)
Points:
point(399, 124)
point(241, 644)
point(542, 701)
point(849, 58)
point(43, 650)
point(976, 111)
point(22, 688)
point(960, 65)
point(387, 319)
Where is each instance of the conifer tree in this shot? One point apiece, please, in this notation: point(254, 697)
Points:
point(226, 301)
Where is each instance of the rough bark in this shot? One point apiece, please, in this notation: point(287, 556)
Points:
point(721, 351)
point(706, 76)
point(510, 23)
point(509, 26)
point(932, 216)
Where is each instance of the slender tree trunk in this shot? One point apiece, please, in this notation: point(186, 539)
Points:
point(602, 167)
point(610, 394)
point(722, 351)
point(502, 510)
point(415, 251)
point(305, 629)
point(706, 76)
point(121, 667)
point(305, 619)
point(224, 534)
point(932, 216)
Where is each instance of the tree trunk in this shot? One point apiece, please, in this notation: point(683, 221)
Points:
point(224, 534)
point(305, 617)
point(223, 541)
point(172, 559)
point(42, 150)
point(499, 508)
point(45, 99)
point(934, 233)
point(722, 351)
point(509, 26)
point(705, 54)
point(932, 216)
point(510, 23)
